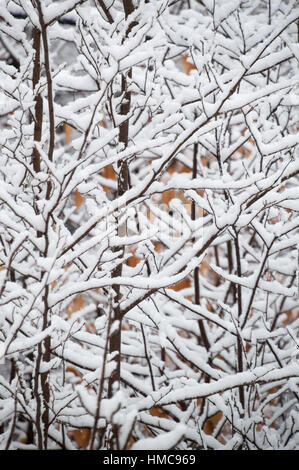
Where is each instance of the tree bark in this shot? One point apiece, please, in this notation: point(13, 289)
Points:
point(122, 186)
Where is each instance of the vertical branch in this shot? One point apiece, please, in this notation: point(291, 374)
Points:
point(122, 185)
point(45, 385)
point(37, 396)
point(38, 112)
point(101, 387)
point(196, 270)
point(147, 357)
point(38, 121)
point(239, 340)
point(201, 325)
point(49, 80)
point(44, 349)
point(232, 286)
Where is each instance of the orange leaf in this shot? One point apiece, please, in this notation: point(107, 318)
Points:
point(82, 437)
point(210, 423)
point(76, 304)
point(186, 65)
point(78, 199)
point(109, 173)
point(156, 411)
point(181, 285)
point(67, 133)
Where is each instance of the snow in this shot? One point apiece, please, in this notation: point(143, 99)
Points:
point(163, 442)
point(190, 258)
point(55, 10)
point(2, 353)
point(259, 374)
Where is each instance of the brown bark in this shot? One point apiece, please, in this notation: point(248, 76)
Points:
point(49, 80)
point(38, 116)
point(123, 184)
point(42, 385)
